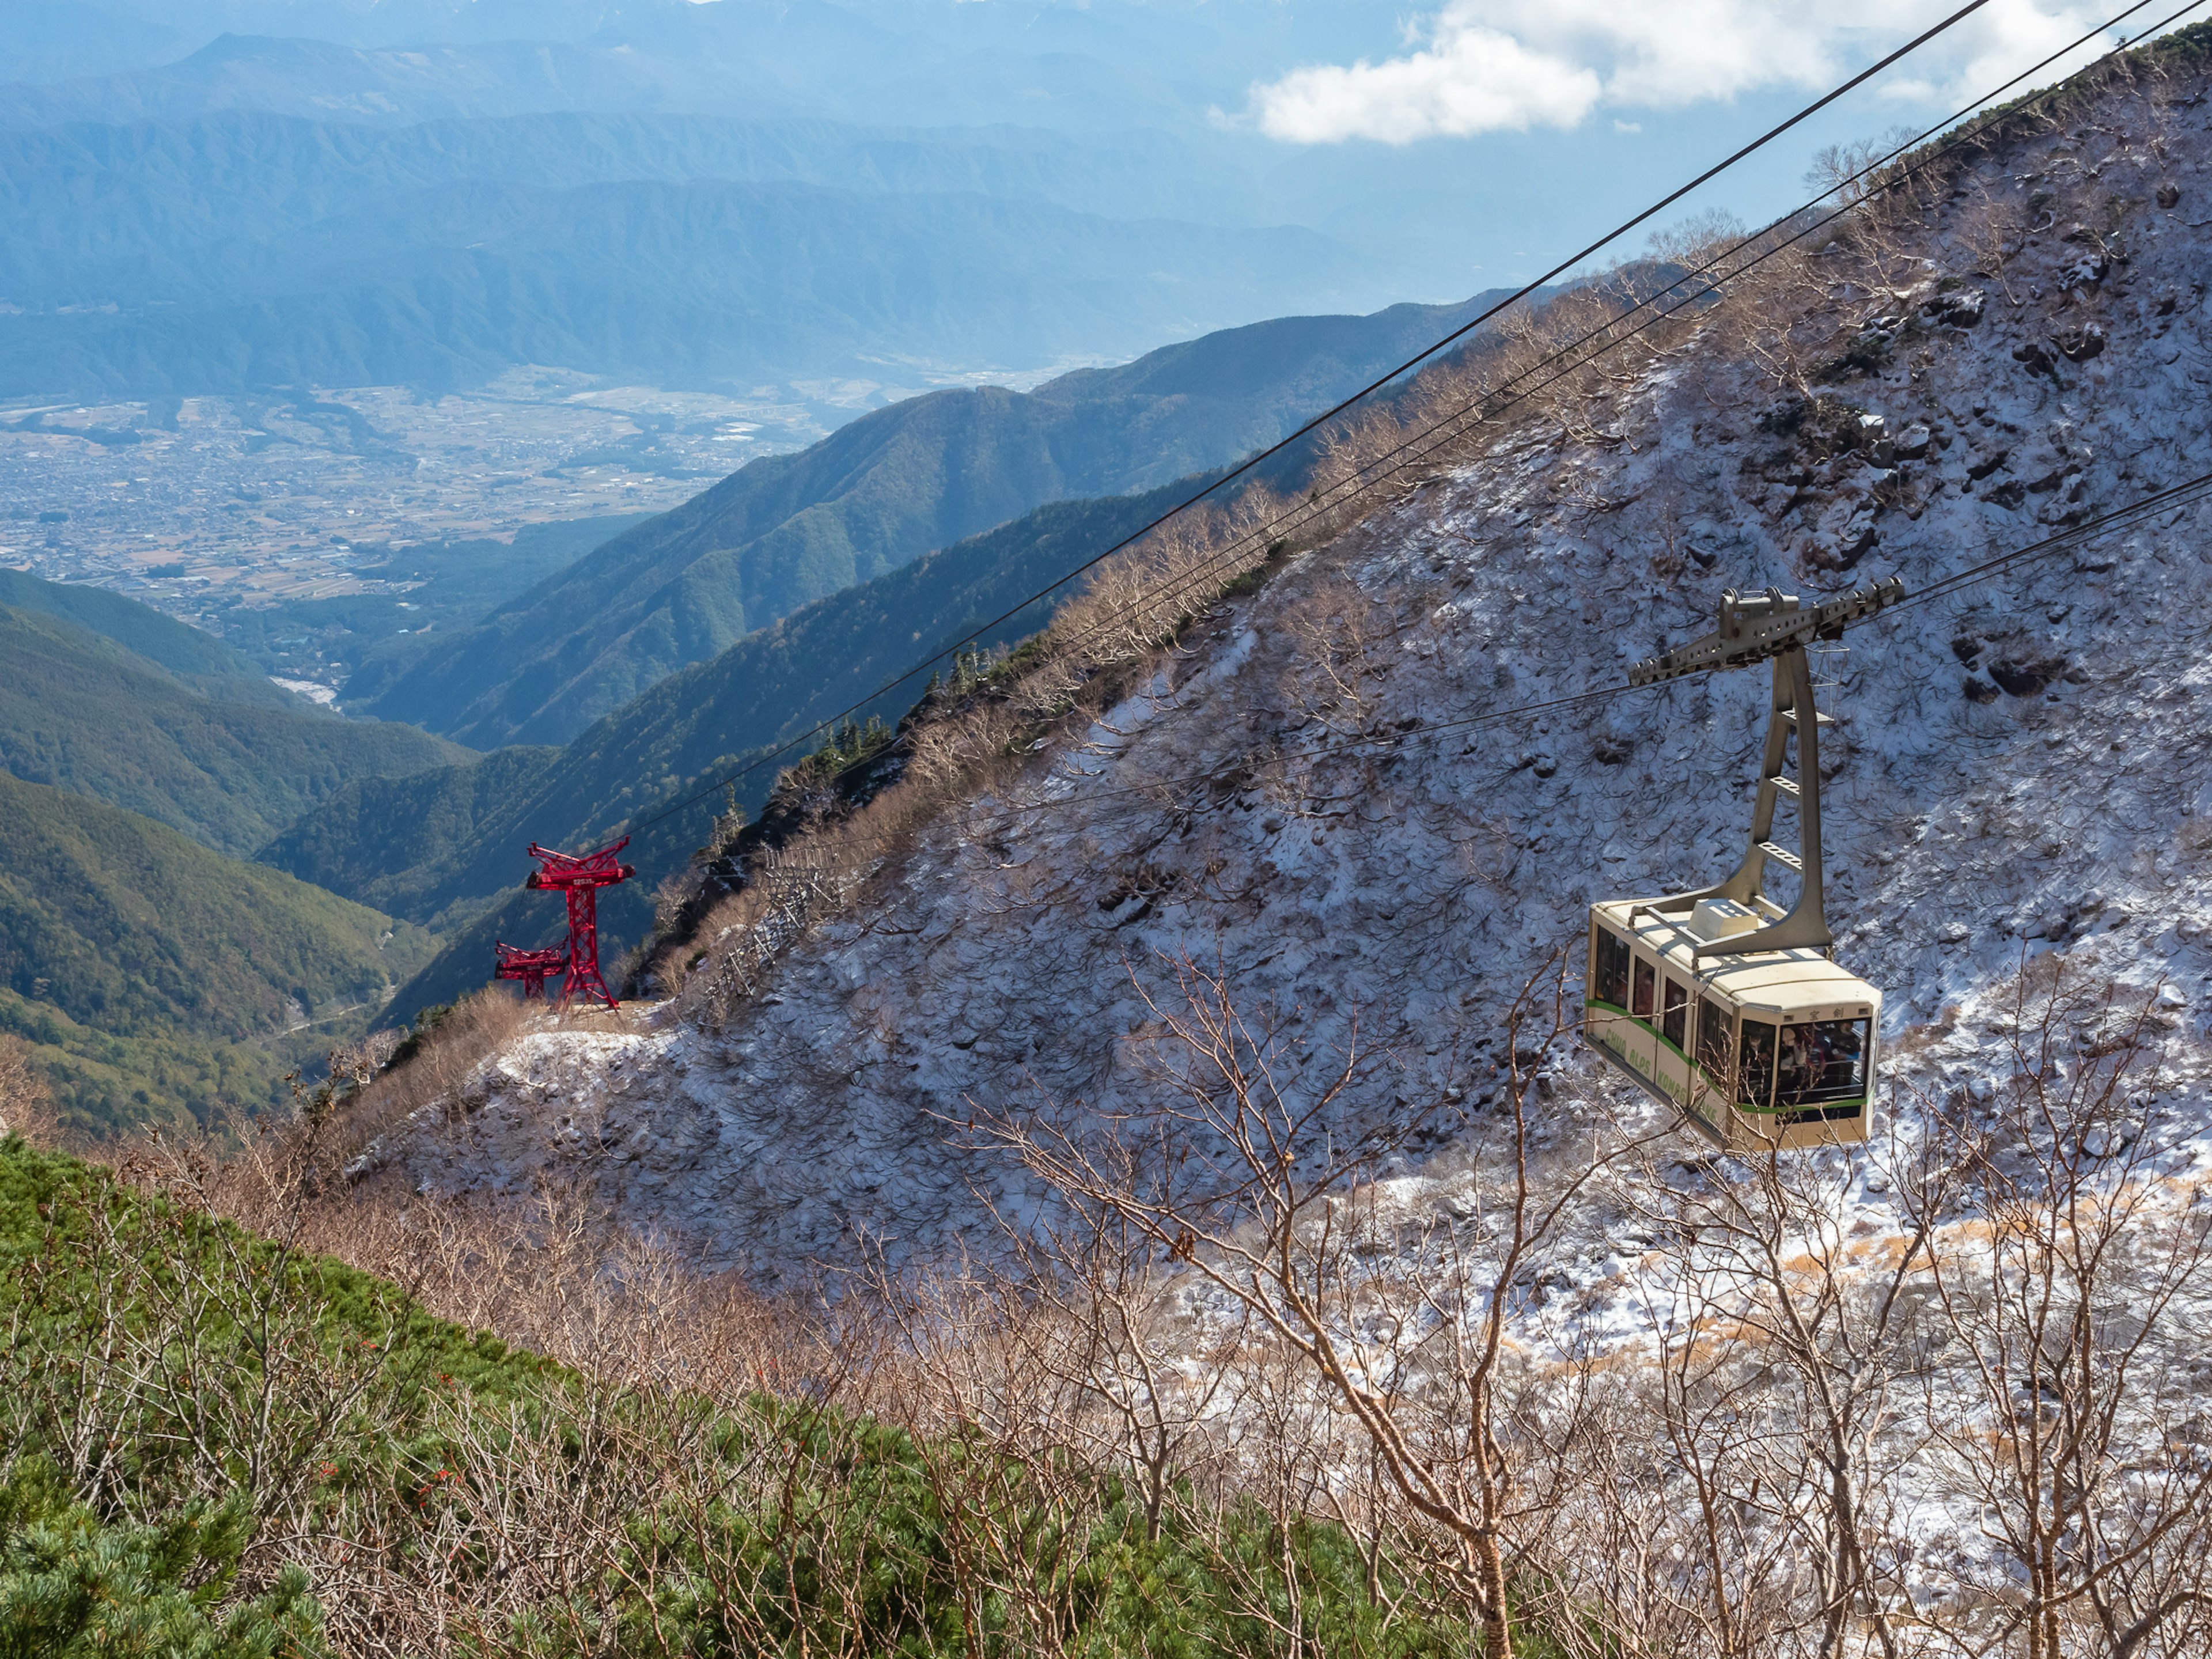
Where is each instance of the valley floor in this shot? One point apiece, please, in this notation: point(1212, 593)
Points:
point(196, 503)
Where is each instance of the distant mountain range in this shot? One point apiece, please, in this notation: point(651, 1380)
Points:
point(787, 529)
point(723, 194)
point(701, 282)
point(1104, 64)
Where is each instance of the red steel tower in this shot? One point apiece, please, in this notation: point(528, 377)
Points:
point(579, 877)
point(530, 967)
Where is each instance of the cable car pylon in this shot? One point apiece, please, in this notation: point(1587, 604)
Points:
point(1773, 627)
point(1718, 1001)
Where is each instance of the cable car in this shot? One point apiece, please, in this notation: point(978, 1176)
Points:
point(1722, 1002)
point(1771, 1048)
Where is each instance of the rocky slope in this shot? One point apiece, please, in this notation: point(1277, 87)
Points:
point(2023, 771)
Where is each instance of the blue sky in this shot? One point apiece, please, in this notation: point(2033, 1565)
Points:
point(1536, 125)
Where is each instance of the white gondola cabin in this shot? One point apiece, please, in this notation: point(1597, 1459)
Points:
point(1773, 1048)
point(1720, 1001)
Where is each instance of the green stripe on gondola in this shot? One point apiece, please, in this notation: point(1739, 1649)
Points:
point(1826, 1111)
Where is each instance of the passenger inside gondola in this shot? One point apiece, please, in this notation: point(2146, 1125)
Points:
point(1822, 1060)
point(1612, 969)
point(1755, 1064)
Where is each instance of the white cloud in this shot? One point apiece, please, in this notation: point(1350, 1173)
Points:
point(1491, 65)
point(2004, 39)
point(1472, 79)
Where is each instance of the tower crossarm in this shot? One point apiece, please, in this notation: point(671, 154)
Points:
point(562, 870)
point(1764, 626)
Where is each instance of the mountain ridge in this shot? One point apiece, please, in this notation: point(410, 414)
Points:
point(80, 712)
point(784, 531)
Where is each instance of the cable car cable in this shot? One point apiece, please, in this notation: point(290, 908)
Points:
point(2184, 494)
point(1016, 816)
point(2178, 495)
point(1359, 483)
point(1254, 460)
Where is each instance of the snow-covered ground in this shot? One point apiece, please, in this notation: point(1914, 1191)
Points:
point(2024, 769)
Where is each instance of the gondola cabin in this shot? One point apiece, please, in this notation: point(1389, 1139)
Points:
point(1762, 1050)
point(1720, 1001)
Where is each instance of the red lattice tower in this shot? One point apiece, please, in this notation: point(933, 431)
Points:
point(530, 967)
point(579, 877)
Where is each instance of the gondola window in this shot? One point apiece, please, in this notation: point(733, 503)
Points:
point(1612, 970)
point(1755, 1065)
point(1822, 1060)
point(1715, 1030)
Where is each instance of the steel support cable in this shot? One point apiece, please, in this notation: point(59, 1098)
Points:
point(1329, 413)
point(1450, 428)
point(2165, 500)
point(1020, 818)
point(2170, 498)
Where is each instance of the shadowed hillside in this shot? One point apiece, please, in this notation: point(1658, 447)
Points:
point(81, 712)
point(155, 979)
point(203, 662)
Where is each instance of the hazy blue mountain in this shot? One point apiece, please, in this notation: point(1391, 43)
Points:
point(81, 712)
point(124, 210)
point(65, 39)
point(1432, 219)
point(297, 76)
point(707, 282)
point(1083, 67)
point(789, 529)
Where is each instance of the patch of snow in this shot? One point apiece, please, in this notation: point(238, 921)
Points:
point(2021, 771)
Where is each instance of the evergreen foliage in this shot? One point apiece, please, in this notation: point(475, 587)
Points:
point(325, 1407)
point(72, 1584)
point(159, 981)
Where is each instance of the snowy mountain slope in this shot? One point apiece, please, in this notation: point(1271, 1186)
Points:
point(2026, 769)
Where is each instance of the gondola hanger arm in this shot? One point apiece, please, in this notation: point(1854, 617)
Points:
point(1761, 627)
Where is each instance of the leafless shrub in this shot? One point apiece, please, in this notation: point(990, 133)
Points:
point(1252, 1165)
point(2069, 1272)
point(439, 1067)
point(1337, 635)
